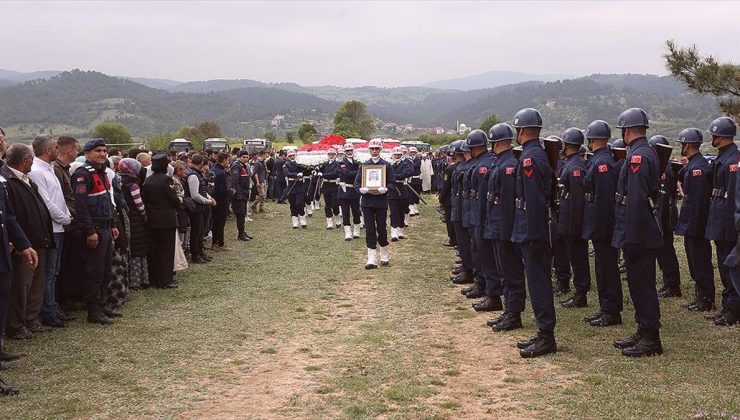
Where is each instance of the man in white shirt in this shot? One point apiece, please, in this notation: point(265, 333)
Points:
point(42, 174)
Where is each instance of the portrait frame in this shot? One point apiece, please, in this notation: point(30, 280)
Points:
point(373, 177)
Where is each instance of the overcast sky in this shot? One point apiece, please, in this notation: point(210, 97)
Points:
point(358, 43)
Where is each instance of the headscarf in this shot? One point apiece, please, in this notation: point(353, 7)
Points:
point(130, 167)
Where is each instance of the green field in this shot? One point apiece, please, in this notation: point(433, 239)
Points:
point(291, 326)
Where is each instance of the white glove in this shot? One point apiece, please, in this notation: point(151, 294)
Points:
point(382, 190)
point(300, 174)
point(319, 174)
point(363, 190)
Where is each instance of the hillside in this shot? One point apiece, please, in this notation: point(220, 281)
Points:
point(494, 79)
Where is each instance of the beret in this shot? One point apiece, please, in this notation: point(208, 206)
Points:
point(92, 144)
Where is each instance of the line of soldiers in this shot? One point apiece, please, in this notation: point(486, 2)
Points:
point(517, 213)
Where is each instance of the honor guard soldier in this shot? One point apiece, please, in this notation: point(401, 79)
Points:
point(533, 186)
point(667, 259)
point(375, 208)
point(732, 315)
point(407, 203)
point(721, 227)
point(560, 261)
point(570, 218)
point(498, 227)
point(415, 182)
point(94, 226)
point(696, 183)
point(295, 190)
point(398, 194)
point(329, 174)
point(598, 224)
point(241, 185)
point(349, 199)
point(637, 231)
point(479, 286)
point(444, 195)
point(456, 215)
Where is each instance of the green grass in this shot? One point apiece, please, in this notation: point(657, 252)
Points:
point(362, 344)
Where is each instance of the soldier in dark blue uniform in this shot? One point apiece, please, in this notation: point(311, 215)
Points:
point(415, 182)
point(375, 208)
point(349, 199)
point(241, 185)
point(498, 227)
point(560, 261)
point(329, 174)
point(445, 194)
point(295, 183)
point(479, 286)
point(94, 226)
point(456, 215)
point(279, 185)
point(668, 210)
point(696, 183)
point(531, 231)
point(598, 224)
point(637, 232)
point(570, 217)
point(726, 127)
point(398, 194)
point(721, 224)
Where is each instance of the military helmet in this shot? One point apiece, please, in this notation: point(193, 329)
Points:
point(456, 146)
point(723, 127)
point(291, 152)
point(500, 132)
point(599, 129)
point(690, 135)
point(331, 150)
point(375, 144)
point(573, 135)
point(349, 146)
point(477, 138)
point(413, 149)
point(619, 144)
point(397, 150)
point(465, 146)
point(528, 118)
point(633, 117)
point(583, 150)
point(658, 139)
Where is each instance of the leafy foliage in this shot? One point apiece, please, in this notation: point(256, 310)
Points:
point(353, 120)
point(307, 133)
point(159, 141)
point(112, 133)
point(489, 122)
point(290, 136)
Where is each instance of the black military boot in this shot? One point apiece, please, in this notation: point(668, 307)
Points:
point(457, 270)
point(465, 290)
point(494, 321)
point(523, 344)
point(562, 288)
point(590, 318)
point(729, 318)
point(98, 317)
point(702, 306)
point(477, 292)
point(669, 292)
point(648, 345)
point(489, 304)
point(6, 356)
point(715, 316)
point(463, 278)
point(112, 313)
point(577, 301)
point(606, 320)
point(512, 321)
point(543, 343)
point(629, 341)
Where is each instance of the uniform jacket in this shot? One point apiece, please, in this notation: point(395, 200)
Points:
point(457, 191)
point(347, 173)
point(667, 203)
point(721, 223)
point(415, 171)
point(161, 201)
point(572, 196)
point(402, 169)
point(92, 199)
point(375, 200)
point(10, 230)
point(241, 180)
point(696, 183)
point(500, 197)
point(466, 202)
point(600, 183)
point(293, 175)
point(533, 184)
point(330, 175)
point(635, 226)
point(445, 188)
point(479, 188)
point(31, 212)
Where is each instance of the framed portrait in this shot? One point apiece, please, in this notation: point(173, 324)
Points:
point(373, 177)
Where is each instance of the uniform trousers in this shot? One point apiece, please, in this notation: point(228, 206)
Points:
point(537, 262)
point(297, 205)
point(668, 261)
point(375, 226)
point(699, 258)
point(577, 249)
point(464, 247)
point(730, 298)
point(96, 265)
point(413, 199)
point(512, 269)
point(162, 256)
point(450, 227)
point(475, 259)
point(220, 212)
point(560, 262)
point(331, 205)
point(351, 204)
point(239, 207)
point(397, 212)
point(488, 266)
point(27, 292)
point(608, 282)
point(640, 265)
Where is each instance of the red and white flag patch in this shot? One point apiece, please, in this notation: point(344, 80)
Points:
point(527, 162)
point(577, 172)
point(733, 167)
point(696, 172)
point(483, 170)
point(603, 168)
point(509, 170)
point(636, 159)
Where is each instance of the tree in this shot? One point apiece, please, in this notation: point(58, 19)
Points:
point(270, 135)
point(705, 75)
point(112, 133)
point(191, 133)
point(353, 120)
point(489, 122)
point(307, 133)
point(290, 136)
point(209, 129)
point(159, 141)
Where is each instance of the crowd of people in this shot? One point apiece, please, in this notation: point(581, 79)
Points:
point(521, 215)
point(82, 230)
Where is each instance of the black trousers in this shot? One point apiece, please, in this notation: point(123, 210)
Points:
point(6, 280)
point(577, 249)
point(397, 212)
point(413, 199)
point(239, 207)
point(475, 259)
point(537, 262)
point(331, 205)
point(668, 261)
point(640, 264)
point(196, 233)
point(450, 227)
point(162, 256)
point(464, 247)
point(560, 261)
point(348, 205)
point(512, 268)
point(375, 226)
point(699, 257)
point(730, 298)
point(297, 204)
point(608, 282)
point(70, 280)
point(488, 267)
point(96, 266)
point(220, 212)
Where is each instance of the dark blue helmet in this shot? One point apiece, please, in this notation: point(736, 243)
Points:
point(456, 146)
point(690, 135)
point(528, 118)
point(654, 140)
point(500, 132)
point(477, 138)
point(583, 150)
point(557, 138)
point(599, 129)
point(619, 144)
point(633, 117)
point(573, 135)
point(723, 127)
point(464, 146)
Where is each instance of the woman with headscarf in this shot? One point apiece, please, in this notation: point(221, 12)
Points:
point(139, 242)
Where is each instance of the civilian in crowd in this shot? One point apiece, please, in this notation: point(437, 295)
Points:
point(241, 183)
point(3, 144)
point(146, 165)
point(260, 183)
point(139, 241)
point(183, 220)
point(221, 193)
point(68, 280)
point(27, 291)
point(197, 190)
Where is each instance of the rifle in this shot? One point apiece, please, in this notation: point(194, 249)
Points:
point(552, 148)
point(286, 193)
point(664, 156)
point(415, 193)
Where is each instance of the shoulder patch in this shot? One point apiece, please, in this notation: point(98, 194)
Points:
point(733, 167)
point(80, 178)
point(603, 168)
point(696, 172)
point(576, 172)
point(509, 170)
point(636, 159)
point(527, 162)
point(483, 170)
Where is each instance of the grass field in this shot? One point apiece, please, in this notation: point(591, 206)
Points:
point(290, 325)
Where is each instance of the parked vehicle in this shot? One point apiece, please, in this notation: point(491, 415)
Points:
point(257, 145)
point(181, 145)
point(420, 145)
point(216, 144)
